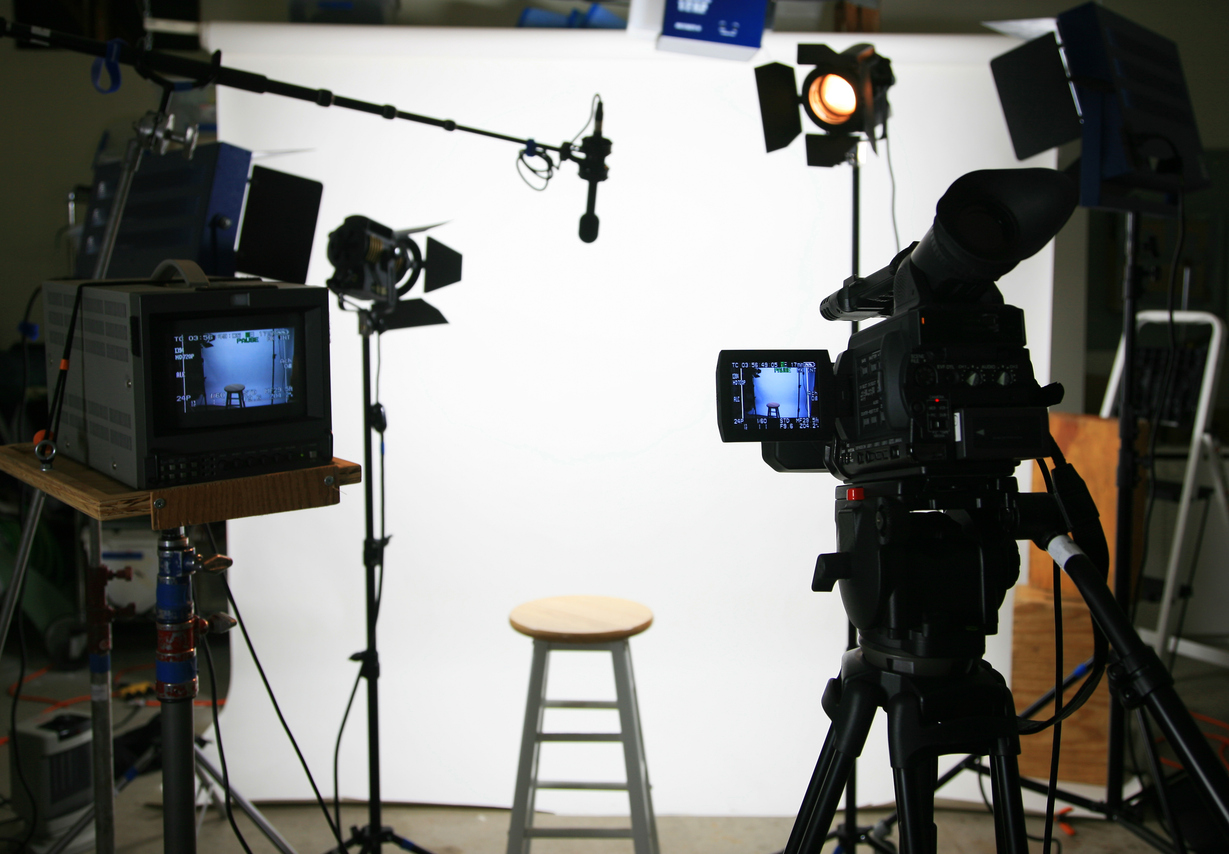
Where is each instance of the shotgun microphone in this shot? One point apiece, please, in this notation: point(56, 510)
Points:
point(593, 169)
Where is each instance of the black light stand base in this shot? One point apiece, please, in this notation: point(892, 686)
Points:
point(363, 839)
point(875, 837)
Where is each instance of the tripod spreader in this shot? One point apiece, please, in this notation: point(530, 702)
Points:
point(1138, 678)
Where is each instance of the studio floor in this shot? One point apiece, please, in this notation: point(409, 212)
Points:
point(472, 830)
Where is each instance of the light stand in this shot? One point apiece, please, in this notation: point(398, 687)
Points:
point(372, 837)
point(845, 94)
point(370, 261)
point(1137, 155)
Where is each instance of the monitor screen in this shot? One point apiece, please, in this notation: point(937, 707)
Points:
point(217, 371)
point(767, 395)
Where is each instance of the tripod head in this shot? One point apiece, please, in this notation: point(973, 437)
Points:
point(923, 566)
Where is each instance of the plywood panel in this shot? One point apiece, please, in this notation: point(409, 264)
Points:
point(1085, 733)
point(1090, 443)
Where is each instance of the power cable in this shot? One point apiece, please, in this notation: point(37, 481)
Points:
point(887, 151)
point(273, 699)
point(1058, 708)
point(217, 731)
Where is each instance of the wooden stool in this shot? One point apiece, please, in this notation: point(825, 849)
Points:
point(234, 390)
point(594, 623)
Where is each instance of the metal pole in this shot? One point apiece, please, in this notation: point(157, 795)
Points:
point(138, 768)
point(99, 632)
point(857, 213)
point(849, 835)
point(1128, 433)
point(176, 686)
point(23, 562)
point(372, 554)
point(132, 162)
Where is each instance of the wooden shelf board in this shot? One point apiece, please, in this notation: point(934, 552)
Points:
point(101, 497)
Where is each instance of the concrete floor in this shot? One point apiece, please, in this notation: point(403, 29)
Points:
point(460, 830)
point(464, 830)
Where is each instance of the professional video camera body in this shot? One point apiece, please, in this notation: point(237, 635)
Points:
point(926, 415)
point(945, 382)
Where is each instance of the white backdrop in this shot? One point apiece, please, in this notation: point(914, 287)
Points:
point(559, 436)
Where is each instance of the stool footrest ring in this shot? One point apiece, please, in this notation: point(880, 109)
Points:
point(580, 736)
point(559, 784)
point(579, 832)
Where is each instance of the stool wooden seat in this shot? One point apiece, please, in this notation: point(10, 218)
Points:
point(581, 619)
point(596, 624)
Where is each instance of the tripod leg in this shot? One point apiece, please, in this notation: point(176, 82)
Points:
point(842, 746)
point(915, 802)
point(1008, 804)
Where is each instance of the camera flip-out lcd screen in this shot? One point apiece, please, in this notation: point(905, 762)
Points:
point(770, 395)
point(220, 372)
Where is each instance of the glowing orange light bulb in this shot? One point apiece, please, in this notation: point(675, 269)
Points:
point(832, 99)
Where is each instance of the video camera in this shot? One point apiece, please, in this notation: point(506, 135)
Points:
point(944, 384)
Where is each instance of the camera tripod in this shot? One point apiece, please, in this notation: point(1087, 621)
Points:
point(927, 717)
point(924, 564)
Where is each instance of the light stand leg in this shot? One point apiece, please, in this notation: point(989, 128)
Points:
point(138, 768)
point(19, 568)
point(1140, 678)
point(270, 832)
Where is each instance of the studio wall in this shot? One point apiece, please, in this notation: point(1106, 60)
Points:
point(558, 435)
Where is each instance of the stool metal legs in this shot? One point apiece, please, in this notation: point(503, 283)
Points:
point(644, 823)
point(527, 771)
point(643, 831)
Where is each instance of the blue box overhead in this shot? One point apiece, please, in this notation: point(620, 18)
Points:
point(728, 29)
